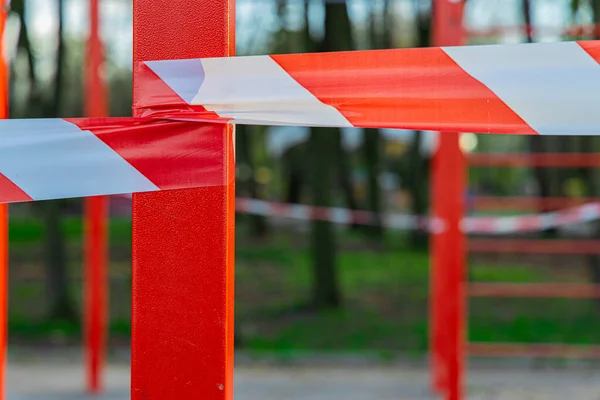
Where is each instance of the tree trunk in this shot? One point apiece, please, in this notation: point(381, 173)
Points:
point(61, 304)
point(55, 106)
point(295, 171)
point(295, 182)
point(543, 176)
point(35, 108)
point(416, 184)
point(423, 24)
point(372, 137)
point(57, 285)
point(326, 293)
point(258, 223)
point(338, 37)
point(372, 144)
point(344, 170)
point(322, 143)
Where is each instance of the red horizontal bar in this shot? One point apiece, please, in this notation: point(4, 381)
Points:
point(569, 31)
point(488, 203)
point(526, 350)
point(535, 290)
point(571, 160)
point(534, 246)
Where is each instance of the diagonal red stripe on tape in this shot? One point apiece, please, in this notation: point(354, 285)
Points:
point(591, 47)
point(171, 154)
point(11, 193)
point(409, 89)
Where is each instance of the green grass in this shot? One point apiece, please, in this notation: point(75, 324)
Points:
point(31, 231)
point(385, 290)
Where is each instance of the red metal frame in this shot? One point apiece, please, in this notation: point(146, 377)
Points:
point(3, 224)
point(533, 246)
point(183, 241)
point(535, 290)
point(546, 290)
point(565, 160)
point(577, 30)
point(96, 228)
point(538, 204)
point(448, 259)
point(515, 350)
point(447, 318)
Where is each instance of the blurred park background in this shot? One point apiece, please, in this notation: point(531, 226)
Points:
point(311, 287)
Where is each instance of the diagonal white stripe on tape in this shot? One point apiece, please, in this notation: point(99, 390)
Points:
point(52, 158)
point(540, 82)
point(183, 76)
point(256, 89)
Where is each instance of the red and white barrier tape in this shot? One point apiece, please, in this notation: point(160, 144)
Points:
point(548, 89)
point(478, 225)
point(59, 158)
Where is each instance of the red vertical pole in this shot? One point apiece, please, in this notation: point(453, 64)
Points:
point(448, 244)
point(3, 220)
point(183, 244)
point(96, 232)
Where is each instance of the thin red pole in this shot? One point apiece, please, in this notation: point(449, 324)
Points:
point(3, 221)
point(96, 229)
point(183, 240)
point(448, 243)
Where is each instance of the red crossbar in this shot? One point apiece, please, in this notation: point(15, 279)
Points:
point(489, 203)
point(563, 160)
point(535, 290)
point(527, 350)
point(183, 240)
point(534, 246)
point(571, 30)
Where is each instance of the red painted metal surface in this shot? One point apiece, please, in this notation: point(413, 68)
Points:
point(564, 160)
point(526, 350)
point(96, 288)
point(183, 272)
point(582, 30)
point(448, 262)
point(96, 229)
point(535, 290)
point(3, 225)
point(538, 204)
point(534, 246)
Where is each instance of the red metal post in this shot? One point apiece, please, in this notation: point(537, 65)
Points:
point(183, 241)
point(448, 243)
point(96, 232)
point(3, 222)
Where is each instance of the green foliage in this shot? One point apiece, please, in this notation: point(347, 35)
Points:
point(385, 292)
